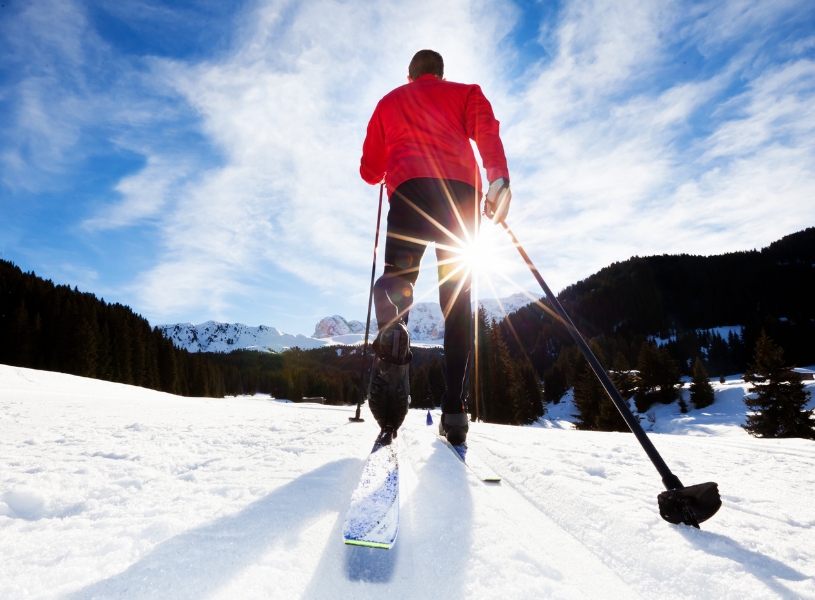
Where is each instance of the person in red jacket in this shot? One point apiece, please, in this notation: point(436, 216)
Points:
point(418, 144)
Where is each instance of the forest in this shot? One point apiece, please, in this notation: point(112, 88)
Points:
point(56, 328)
point(679, 300)
point(524, 362)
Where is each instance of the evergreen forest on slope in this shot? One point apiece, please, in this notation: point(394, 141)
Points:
point(620, 309)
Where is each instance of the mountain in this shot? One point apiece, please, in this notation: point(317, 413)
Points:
point(226, 337)
point(330, 327)
point(497, 309)
point(426, 326)
point(683, 300)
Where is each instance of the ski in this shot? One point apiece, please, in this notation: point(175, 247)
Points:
point(373, 516)
point(474, 462)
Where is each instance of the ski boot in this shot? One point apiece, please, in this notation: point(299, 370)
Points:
point(390, 386)
point(454, 427)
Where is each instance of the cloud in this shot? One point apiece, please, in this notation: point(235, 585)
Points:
point(618, 156)
point(646, 127)
point(288, 109)
point(144, 195)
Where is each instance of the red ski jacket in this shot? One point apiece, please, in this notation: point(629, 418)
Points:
point(424, 128)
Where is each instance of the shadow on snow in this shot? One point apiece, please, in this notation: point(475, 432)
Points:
point(197, 562)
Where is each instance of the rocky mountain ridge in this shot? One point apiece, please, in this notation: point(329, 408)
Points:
point(426, 326)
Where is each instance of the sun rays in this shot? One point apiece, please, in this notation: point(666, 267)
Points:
point(477, 257)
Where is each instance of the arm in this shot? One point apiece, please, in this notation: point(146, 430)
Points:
point(483, 128)
point(372, 165)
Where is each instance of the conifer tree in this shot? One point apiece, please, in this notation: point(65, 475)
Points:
point(420, 389)
point(588, 391)
point(701, 392)
point(648, 367)
point(779, 405)
point(622, 377)
point(659, 378)
point(555, 384)
point(529, 393)
point(596, 410)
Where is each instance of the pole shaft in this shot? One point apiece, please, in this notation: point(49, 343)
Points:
point(670, 480)
point(370, 303)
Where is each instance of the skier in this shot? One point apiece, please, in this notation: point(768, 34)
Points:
point(418, 144)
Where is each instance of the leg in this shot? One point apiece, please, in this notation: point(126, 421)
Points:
point(454, 297)
point(393, 292)
point(460, 215)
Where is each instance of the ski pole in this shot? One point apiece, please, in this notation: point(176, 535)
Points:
point(356, 418)
point(680, 504)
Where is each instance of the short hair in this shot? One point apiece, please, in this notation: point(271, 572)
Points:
point(426, 62)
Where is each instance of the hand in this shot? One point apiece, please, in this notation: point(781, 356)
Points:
point(496, 204)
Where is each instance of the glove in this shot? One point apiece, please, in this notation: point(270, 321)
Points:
point(496, 204)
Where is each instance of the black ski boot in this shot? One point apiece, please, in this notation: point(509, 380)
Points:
point(454, 428)
point(390, 387)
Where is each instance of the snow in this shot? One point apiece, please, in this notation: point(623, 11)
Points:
point(336, 325)
point(426, 327)
point(722, 418)
point(510, 304)
point(213, 336)
point(724, 331)
point(113, 491)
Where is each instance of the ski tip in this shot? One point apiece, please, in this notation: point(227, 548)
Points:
point(367, 544)
point(429, 418)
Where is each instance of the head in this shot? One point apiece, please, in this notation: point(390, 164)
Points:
point(426, 62)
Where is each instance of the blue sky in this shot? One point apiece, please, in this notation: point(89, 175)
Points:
point(199, 160)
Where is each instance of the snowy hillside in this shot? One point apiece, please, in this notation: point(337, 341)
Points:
point(111, 491)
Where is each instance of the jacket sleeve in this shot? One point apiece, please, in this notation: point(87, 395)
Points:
point(483, 128)
point(372, 165)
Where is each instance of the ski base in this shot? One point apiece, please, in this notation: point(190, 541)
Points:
point(373, 516)
point(474, 462)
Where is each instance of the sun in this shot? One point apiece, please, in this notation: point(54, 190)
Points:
point(481, 255)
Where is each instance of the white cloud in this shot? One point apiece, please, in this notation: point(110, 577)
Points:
point(288, 108)
point(602, 142)
point(613, 152)
point(144, 195)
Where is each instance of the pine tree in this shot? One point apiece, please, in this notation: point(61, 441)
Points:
point(555, 384)
point(437, 381)
point(588, 391)
point(597, 412)
point(647, 378)
point(659, 379)
point(622, 377)
point(420, 389)
point(529, 392)
point(701, 392)
point(779, 405)
point(501, 384)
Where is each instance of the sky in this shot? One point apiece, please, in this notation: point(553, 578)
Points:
point(200, 160)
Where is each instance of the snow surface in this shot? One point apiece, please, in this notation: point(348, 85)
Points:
point(113, 491)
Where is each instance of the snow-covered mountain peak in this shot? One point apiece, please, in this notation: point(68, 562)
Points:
point(337, 325)
point(212, 336)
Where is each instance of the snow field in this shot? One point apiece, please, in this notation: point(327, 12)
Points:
point(112, 491)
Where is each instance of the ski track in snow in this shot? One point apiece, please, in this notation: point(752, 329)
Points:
point(113, 491)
